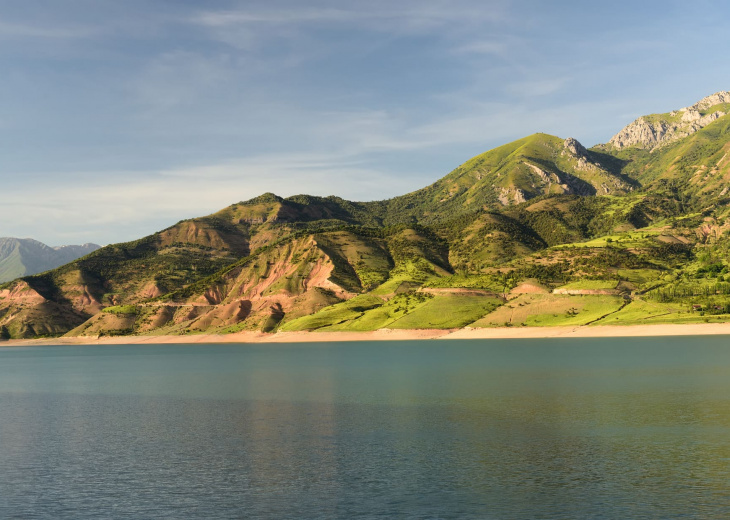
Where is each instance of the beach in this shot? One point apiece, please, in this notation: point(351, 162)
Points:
point(694, 329)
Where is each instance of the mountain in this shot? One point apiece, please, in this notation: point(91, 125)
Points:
point(695, 167)
point(656, 130)
point(24, 256)
point(537, 165)
point(540, 231)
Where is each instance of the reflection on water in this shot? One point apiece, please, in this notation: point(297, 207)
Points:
point(624, 428)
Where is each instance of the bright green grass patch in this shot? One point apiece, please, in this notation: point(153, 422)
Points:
point(412, 273)
point(448, 311)
point(720, 107)
point(591, 284)
point(334, 314)
point(641, 312)
point(550, 310)
point(639, 276)
point(467, 282)
point(668, 117)
point(121, 309)
point(384, 315)
point(639, 238)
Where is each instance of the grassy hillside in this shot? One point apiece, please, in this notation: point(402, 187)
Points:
point(537, 165)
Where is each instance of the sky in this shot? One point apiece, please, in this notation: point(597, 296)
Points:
point(118, 119)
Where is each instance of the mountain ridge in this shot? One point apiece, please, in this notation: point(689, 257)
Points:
point(656, 130)
point(540, 231)
point(25, 256)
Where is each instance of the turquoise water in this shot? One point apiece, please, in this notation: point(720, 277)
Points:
point(508, 429)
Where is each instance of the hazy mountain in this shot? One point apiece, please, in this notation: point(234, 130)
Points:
point(539, 231)
point(24, 256)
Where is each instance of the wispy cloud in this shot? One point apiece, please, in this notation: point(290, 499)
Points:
point(241, 27)
point(308, 15)
point(495, 48)
point(48, 32)
point(126, 205)
point(415, 14)
point(205, 103)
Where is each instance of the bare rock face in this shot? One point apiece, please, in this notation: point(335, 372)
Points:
point(650, 132)
point(710, 101)
point(578, 151)
point(575, 148)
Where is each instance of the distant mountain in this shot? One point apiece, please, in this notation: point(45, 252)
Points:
point(538, 232)
point(24, 256)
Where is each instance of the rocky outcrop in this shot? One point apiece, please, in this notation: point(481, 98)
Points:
point(651, 132)
point(507, 196)
point(576, 149)
point(583, 160)
point(580, 174)
point(715, 99)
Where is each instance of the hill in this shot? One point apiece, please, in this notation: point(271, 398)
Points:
point(537, 165)
point(540, 231)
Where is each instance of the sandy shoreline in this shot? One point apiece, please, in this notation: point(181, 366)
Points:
point(695, 329)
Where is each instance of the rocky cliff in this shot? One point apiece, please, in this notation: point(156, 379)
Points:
point(656, 130)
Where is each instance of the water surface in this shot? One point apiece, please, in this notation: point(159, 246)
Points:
point(554, 429)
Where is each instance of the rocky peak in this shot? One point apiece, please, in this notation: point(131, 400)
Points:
point(575, 148)
point(584, 161)
point(654, 131)
point(710, 101)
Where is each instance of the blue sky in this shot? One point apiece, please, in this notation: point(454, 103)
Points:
point(118, 119)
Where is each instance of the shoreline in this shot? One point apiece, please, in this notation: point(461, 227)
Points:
point(605, 331)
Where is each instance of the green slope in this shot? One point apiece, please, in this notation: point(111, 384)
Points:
point(536, 165)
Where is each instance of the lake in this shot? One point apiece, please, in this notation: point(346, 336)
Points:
point(504, 429)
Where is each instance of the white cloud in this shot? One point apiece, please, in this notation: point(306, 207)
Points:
point(426, 16)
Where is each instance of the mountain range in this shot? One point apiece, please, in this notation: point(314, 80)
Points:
point(537, 232)
point(24, 256)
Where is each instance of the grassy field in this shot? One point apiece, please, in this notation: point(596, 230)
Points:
point(421, 311)
point(639, 276)
point(549, 310)
point(641, 311)
point(447, 311)
point(590, 285)
point(632, 239)
point(340, 312)
point(410, 274)
point(650, 312)
point(383, 316)
point(467, 282)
